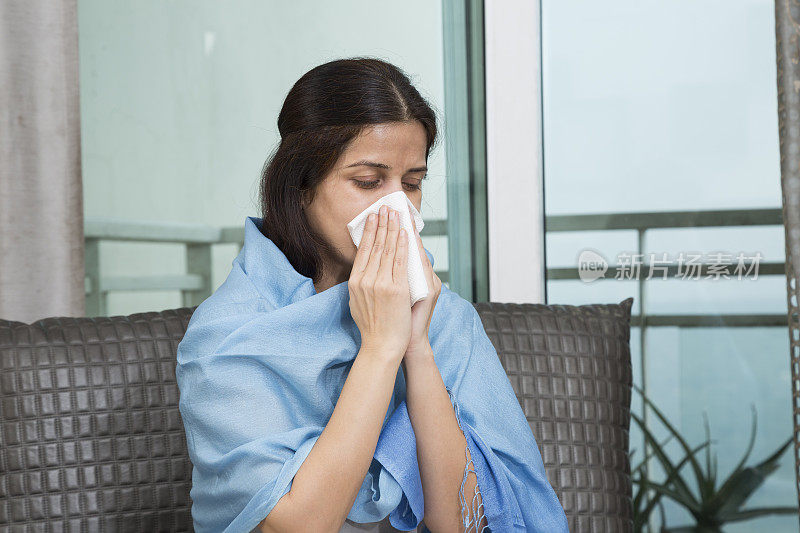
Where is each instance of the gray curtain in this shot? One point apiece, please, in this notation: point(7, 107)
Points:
point(41, 201)
point(787, 35)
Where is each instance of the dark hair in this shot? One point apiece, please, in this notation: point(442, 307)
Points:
point(324, 111)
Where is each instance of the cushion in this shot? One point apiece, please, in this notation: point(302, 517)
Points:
point(91, 438)
point(570, 367)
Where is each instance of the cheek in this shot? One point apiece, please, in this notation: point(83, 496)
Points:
point(339, 234)
point(343, 236)
point(350, 254)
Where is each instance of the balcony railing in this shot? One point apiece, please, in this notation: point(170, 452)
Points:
point(195, 284)
point(641, 223)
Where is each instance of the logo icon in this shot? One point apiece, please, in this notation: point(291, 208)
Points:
point(591, 265)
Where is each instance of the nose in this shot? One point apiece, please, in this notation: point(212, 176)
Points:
point(396, 186)
point(388, 187)
point(392, 189)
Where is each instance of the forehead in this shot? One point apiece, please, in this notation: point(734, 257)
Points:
point(393, 144)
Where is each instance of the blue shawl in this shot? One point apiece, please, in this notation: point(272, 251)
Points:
point(261, 366)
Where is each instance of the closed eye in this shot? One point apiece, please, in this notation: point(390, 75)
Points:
point(373, 184)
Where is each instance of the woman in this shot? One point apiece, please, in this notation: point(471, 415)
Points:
point(314, 397)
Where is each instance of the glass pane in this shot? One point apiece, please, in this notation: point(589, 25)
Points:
point(670, 107)
point(179, 107)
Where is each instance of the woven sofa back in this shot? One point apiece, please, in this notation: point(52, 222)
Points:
point(91, 437)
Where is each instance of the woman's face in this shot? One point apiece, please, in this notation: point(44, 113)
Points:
point(385, 158)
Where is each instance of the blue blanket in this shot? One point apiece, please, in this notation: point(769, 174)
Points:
point(260, 369)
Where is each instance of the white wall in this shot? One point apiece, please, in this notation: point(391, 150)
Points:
point(179, 107)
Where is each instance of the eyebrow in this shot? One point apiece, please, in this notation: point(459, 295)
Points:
point(366, 163)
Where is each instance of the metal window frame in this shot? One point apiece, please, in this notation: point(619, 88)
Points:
point(465, 141)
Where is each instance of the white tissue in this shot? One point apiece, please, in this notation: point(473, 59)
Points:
point(399, 202)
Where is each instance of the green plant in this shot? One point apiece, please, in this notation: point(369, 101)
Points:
point(710, 504)
point(642, 507)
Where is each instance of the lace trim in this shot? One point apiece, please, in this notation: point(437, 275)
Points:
point(475, 510)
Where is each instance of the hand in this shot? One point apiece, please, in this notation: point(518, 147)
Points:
point(378, 286)
point(422, 311)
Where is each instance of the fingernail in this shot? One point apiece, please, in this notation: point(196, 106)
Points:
point(371, 217)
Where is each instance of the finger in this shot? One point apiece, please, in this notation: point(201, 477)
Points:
point(400, 270)
point(389, 249)
point(377, 246)
point(365, 245)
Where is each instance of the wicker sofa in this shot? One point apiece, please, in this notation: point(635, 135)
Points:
point(92, 439)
